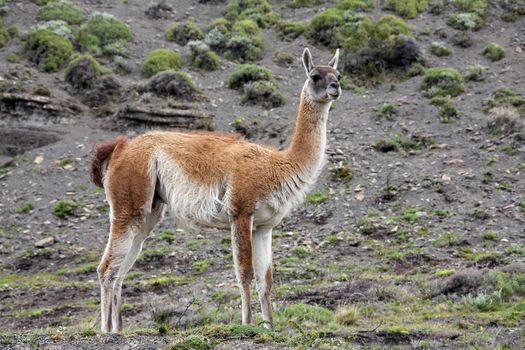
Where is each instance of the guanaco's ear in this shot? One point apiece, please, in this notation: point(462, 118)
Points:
point(307, 61)
point(335, 60)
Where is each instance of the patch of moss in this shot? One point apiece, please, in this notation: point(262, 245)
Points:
point(441, 81)
point(183, 32)
point(289, 30)
point(160, 60)
point(246, 73)
point(439, 49)
point(465, 21)
point(62, 10)
point(263, 93)
point(246, 42)
point(104, 34)
point(48, 50)
point(259, 11)
point(407, 8)
point(493, 52)
point(201, 56)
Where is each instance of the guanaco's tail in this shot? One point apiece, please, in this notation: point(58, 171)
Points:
point(101, 152)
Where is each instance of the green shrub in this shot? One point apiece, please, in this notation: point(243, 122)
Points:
point(263, 93)
point(259, 11)
point(447, 108)
point(373, 48)
point(104, 34)
point(476, 6)
point(407, 8)
point(97, 68)
point(202, 57)
point(441, 81)
point(356, 5)
point(493, 52)
point(439, 49)
point(48, 50)
point(327, 28)
point(3, 35)
point(160, 60)
point(62, 10)
point(475, 72)
point(24, 208)
point(58, 27)
point(246, 42)
point(513, 9)
point(183, 32)
point(465, 21)
point(303, 3)
point(246, 73)
point(217, 37)
point(288, 30)
point(173, 84)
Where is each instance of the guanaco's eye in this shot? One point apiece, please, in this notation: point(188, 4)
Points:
point(316, 78)
point(339, 77)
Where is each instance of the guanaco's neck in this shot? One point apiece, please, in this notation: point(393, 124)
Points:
point(308, 143)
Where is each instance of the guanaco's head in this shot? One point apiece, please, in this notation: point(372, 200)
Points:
point(323, 81)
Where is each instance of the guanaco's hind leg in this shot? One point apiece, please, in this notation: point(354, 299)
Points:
point(242, 259)
point(124, 246)
point(262, 265)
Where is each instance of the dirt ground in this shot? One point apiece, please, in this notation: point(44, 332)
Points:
point(426, 247)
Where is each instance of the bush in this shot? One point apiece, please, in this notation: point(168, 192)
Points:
point(441, 82)
point(202, 57)
point(218, 35)
point(356, 5)
point(439, 49)
point(48, 50)
point(462, 39)
point(505, 97)
point(160, 60)
point(263, 93)
point(447, 108)
point(246, 73)
point(259, 11)
point(62, 10)
point(475, 72)
point(374, 48)
point(407, 8)
point(327, 28)
point(82, 72)
point(104, 34)
point(183, 32)
point(493, 52)
point(246, 42)
point(514, 9)
point(58, 27)
point(288, 30)
point(175, 84)
point(465, 21)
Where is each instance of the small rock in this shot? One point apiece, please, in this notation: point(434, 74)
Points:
point(45, 242)
point(39, 159)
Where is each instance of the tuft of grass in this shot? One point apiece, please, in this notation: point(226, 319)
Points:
point(303, 312)
point(445, 272)
point(168, 236)
point(489, 236)
point(166, 280)
point(441, 81)
point(387, 110)
point(299, 251)
point(160, 60)
point(201, 265)
point(475, 72)
point(23, 208)
point(465, 21)
point(63, 208)
point(193, 342)
point(447, 108)
point(516, 248)
point(399, 142)
point(347, 316)
point(493, 52)
point(505, 97)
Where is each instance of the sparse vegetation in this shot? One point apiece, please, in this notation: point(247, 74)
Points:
point(493, 52)
point(439, 49)
point(447, 108)
point(160, 60)
point(63, 208)
point(402, 143)
point(23, 208)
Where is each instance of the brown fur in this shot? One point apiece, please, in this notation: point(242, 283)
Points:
point(101, 152)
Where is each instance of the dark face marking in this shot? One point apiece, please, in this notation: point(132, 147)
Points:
point(324, 82)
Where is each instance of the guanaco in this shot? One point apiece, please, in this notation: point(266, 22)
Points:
point(211, 180)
